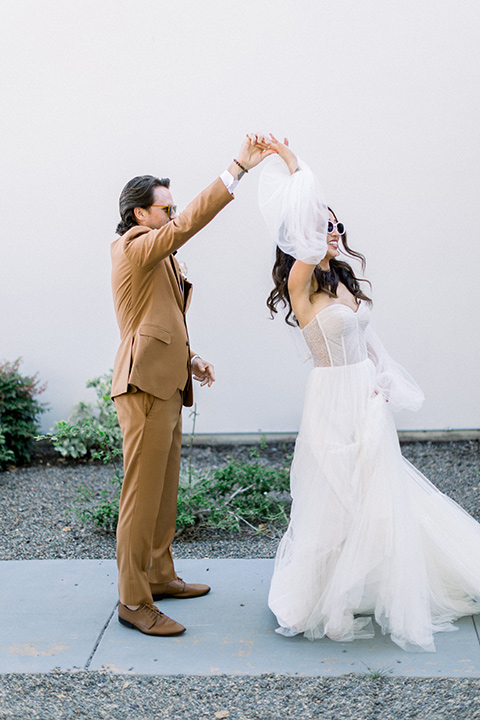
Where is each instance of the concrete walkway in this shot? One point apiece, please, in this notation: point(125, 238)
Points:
point(62, 614)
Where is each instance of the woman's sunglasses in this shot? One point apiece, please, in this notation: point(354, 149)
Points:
point(339, 226)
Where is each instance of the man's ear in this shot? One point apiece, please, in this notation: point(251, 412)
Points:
point(139, 214)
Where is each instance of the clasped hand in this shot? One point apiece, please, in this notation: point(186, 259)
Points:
point(255, 148)
point(260, 146)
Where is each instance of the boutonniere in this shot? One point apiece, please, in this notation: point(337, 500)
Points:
point(183, 269)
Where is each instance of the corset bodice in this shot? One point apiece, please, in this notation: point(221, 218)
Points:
point(336, 335)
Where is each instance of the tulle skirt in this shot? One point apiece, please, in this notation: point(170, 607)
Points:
point(369, 535)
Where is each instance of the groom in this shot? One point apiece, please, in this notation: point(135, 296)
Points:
point(152, 380)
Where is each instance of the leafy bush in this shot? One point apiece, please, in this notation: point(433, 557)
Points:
point(239, 494)
point(19, 412)
point(7, 456)
point(92, 430)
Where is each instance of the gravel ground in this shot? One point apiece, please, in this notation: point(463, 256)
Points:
point(99, 696)
point(35, 521)
point(34, 524)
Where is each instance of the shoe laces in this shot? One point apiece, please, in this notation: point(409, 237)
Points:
point(177, 579)
point(153, 611)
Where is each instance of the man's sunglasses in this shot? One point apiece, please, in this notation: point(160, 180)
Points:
point(169, 209)
point(339, 226)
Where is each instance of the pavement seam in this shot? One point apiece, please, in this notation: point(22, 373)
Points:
point(475, 628)
point(100, 637)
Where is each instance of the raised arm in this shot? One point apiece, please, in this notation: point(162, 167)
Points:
point(297, 215)
point(283, 151)
point(145, 245)
point(300, 282)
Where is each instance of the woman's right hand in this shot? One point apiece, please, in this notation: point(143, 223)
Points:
point(285, 153)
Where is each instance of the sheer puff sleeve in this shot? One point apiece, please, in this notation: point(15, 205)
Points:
point(392, 381)
point(294, 210)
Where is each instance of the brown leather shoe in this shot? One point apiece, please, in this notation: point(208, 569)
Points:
point(149, 620)
point(178, 589)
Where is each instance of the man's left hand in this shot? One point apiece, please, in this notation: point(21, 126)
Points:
point(203, 371)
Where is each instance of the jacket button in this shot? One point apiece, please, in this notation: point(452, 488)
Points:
point(188, 343)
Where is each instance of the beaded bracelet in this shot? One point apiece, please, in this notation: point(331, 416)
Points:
point(240, 166)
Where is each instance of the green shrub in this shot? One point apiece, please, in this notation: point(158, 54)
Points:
point(19, 412)
point(92, 430)
point(239, 494)
point(7, 456)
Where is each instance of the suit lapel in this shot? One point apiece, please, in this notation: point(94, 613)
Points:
point(176, 280)
point(187, 289)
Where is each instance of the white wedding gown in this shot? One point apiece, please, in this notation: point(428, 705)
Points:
point(369, 535)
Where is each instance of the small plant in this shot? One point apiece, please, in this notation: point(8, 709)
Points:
point(92, 430)
point(103, 514)
point(262, 445)
point(19, 412)
point(377, 673)
point(193, 414)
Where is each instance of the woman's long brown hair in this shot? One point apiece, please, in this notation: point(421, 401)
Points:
point(327, 280)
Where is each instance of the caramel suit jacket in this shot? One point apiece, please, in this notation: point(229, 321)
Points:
point(151, 298)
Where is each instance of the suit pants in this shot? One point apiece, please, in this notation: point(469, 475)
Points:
point(152, 439)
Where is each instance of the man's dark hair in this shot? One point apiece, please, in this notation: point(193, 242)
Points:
point(138, 192)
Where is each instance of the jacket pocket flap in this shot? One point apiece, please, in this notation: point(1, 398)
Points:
point(156, 331)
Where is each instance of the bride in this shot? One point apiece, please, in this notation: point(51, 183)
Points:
point(369, 535)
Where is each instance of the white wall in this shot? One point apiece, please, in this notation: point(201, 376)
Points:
point(380, 98)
